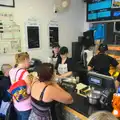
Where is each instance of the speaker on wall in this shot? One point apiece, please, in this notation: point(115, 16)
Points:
point(88, 38)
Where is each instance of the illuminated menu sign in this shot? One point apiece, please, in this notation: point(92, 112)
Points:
point(98, 10)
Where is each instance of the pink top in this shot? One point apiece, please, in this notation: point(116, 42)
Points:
point(26, 104)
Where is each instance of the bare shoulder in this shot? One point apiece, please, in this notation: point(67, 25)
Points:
point(50, 87)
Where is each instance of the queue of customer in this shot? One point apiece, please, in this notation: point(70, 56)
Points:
point(42, 90)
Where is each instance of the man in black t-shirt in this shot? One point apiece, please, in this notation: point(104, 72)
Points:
point(101, 63)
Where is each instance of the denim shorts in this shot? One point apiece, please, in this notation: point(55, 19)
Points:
point(23, 115)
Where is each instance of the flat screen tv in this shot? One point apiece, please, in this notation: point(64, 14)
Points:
point(100, 10)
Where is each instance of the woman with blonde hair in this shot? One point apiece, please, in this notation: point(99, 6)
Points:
point(102, 115)
point(24, 107)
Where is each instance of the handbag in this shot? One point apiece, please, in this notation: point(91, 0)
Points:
point(11, 112)
point(19, 89)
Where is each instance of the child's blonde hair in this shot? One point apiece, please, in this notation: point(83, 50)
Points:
point(32, 77)
point(102, 115)
point(5, 67)
point(21, 57)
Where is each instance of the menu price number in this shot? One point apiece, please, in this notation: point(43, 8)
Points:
point(96, 1)
point(103, 10)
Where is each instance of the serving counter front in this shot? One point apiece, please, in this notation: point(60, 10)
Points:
point(80, 109)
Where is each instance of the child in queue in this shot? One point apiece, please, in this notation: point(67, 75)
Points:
point(4, 86)
point(102, 115)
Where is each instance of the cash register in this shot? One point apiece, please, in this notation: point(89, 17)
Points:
point(100, 81)
point(104, 84)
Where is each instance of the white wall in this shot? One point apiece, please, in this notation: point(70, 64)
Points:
point(86, 24)
point(71, 24)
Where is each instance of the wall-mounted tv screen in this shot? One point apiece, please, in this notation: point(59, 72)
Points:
point(98, 10)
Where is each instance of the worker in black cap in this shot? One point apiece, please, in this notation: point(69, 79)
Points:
point(101, 62)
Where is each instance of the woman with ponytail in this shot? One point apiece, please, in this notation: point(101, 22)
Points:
point(24, 107)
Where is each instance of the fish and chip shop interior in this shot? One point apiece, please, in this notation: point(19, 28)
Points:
point(59, 59)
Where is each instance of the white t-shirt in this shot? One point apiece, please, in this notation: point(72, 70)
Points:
point(89, 55)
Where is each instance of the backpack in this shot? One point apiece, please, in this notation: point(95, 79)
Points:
point(19, 89)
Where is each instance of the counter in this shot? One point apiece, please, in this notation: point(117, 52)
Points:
point(81, 109)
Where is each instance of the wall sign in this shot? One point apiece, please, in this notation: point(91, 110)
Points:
point(10, 37)
point(7, 3)
point(53, 33)
point(33, 37)
point(99, 30)
point(32, 33)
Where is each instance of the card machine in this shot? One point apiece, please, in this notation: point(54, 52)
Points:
point(106, 97)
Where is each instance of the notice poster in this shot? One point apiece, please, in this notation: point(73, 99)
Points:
point(10, 38)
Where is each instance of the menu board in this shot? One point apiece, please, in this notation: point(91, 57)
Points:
point(54, 35)
point(98, 10)
point(33, 37)
point(114, 51)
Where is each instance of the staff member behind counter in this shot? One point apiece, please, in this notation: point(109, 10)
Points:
point(101, 62)
point(55, 50)
point(64, 64)
point(55, 53)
